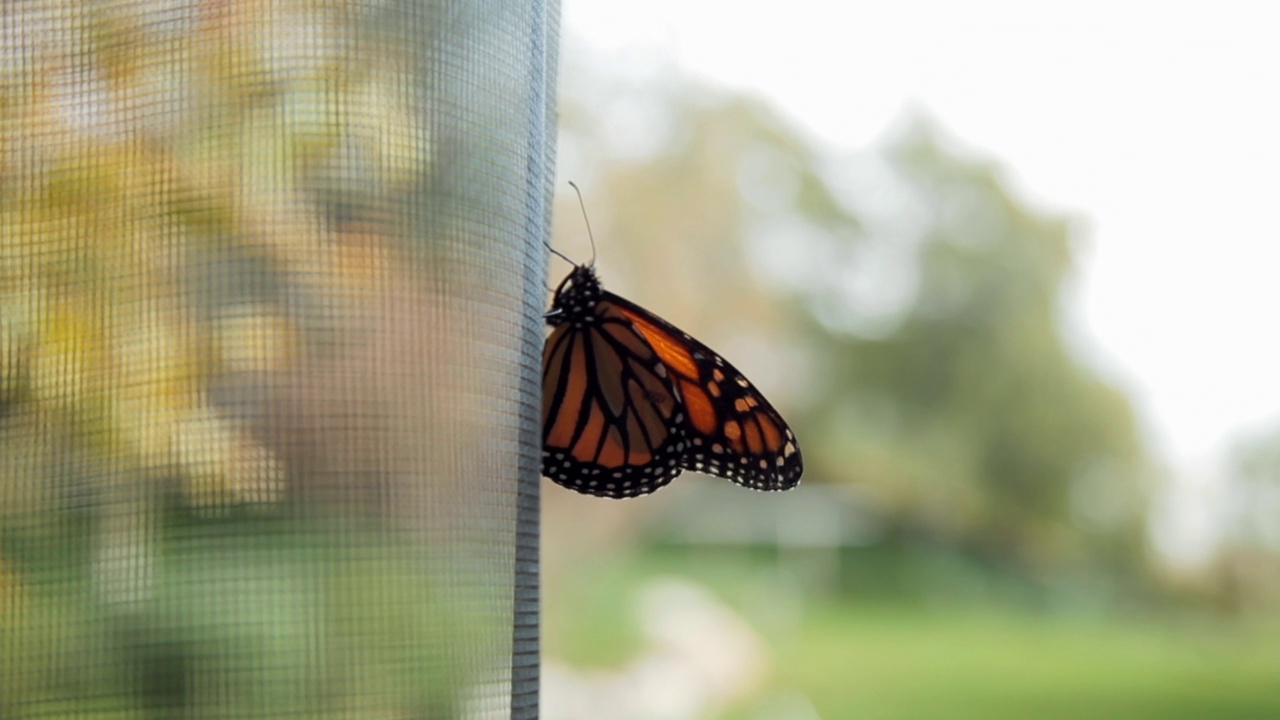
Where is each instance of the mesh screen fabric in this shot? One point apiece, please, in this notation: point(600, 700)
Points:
point(270, 280)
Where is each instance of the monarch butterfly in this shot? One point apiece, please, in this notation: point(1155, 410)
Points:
point(629, 401)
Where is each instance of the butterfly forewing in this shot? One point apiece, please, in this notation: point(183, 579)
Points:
point(734, 432)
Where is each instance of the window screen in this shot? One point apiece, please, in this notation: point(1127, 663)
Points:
point(271, 274)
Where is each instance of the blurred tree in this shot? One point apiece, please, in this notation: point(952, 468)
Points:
point(923, 354)
point(966, 412)
point(1247, 573)
point(1256, 485)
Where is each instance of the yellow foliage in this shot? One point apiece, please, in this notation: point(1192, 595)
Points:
point(126, 150)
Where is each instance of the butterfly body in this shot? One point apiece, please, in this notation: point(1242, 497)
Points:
point(630, 401)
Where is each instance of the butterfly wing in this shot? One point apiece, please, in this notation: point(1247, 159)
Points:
point(732, 430)
point(611, 421)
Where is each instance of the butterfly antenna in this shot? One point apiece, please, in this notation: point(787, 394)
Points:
point(587, 220)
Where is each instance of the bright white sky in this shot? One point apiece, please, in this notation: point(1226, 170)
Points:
point(1157, 121)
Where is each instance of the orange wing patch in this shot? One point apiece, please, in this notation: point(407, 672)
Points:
point(591, 434)
point(673, 352)
point(702, 413)
point(575, 390)
point(772, 438)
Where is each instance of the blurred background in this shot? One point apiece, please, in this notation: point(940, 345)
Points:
point(1008, 270)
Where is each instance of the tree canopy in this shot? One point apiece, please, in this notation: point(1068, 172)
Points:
point(905, 304)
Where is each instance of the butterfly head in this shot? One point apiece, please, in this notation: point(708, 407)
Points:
point(576, 297)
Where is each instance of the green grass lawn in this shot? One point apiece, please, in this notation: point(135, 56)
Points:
point(878, 660)
point(878, 664)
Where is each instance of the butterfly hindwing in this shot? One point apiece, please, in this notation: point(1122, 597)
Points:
point(626, 437)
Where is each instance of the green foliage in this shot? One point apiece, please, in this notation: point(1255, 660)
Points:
point(909, 322)
point(1256, 480)
point(976, 418)
point(1247, 572)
